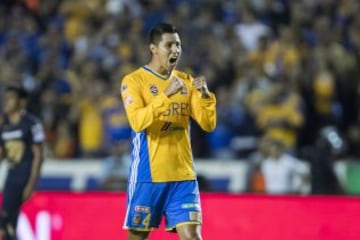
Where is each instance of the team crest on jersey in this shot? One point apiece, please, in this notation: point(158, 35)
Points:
point(137, 219)
point(153, 89)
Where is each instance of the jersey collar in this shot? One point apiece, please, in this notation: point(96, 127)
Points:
point(155, 73)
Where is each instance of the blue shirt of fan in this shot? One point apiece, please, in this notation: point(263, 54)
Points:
point(116, 126)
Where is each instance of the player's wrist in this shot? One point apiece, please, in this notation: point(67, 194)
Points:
point(168, 93)
point(205, 93)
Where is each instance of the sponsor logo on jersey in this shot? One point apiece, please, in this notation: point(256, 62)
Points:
point(143, 209)
point(168, 126)
point(178, 109)
point(190, 205)
point(137, 219)
point(12, 135)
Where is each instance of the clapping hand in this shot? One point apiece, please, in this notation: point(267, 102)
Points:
point(200, 84)
point(175, 86)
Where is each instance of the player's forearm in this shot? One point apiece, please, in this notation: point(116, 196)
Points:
point(142, 117)
point(36, 164)
point(205, 112)
point(208, 120)
point(205, 94)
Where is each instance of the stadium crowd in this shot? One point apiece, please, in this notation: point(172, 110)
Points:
point(284, 70)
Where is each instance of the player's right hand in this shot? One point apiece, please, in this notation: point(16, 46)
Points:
point(175, 86)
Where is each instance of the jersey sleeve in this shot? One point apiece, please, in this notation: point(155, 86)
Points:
point(141, 116)
point(203, 110)
point(37, 132)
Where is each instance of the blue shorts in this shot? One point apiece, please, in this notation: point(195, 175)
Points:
point(179, 202)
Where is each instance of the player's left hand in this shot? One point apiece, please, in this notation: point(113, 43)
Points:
point(200, 84)
point(27, 193)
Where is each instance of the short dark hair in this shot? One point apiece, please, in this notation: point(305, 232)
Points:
point(19, 91)
point(158, 30)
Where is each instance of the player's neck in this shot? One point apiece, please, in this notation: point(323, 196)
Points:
point(15, 117)
point(158, 69)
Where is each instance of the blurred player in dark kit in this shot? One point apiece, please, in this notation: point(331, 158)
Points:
point(21, 138)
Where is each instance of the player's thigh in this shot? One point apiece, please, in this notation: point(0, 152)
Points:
point(137, 235)
point(12, 198)
point(13, 218)
point(189, 232)
point(184, 206)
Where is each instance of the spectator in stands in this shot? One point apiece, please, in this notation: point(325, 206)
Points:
point(260, 57)
point(280, 114)
point(64, 145)
point(88, 111)
point(116, 166)
point(322, 106)
point(250, 28)
point(329, 145)
point(276, 171)
point(229, 116)
point(77, 14)
point(249, 81)
point(327, 108)
point(114, 120)
point(353, 136)
point(255, 181)
point(284, 55)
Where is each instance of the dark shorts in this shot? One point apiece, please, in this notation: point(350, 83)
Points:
point(12, 200)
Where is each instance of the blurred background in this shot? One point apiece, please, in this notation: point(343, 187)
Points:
point(286, 76)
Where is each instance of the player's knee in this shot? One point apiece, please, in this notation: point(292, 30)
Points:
point(189, 232)
point(138, 235)
point(192, 236)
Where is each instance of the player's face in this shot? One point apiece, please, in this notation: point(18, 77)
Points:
point(12, 102)
point(168, 51)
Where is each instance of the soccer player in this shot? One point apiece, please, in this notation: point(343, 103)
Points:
point(21, 137)
point(159, 102)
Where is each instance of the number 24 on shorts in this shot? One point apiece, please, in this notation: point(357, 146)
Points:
point(146, 221)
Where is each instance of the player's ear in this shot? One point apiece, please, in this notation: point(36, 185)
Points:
point(153, 48)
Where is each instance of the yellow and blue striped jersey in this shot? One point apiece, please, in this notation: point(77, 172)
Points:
point(161, 150)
